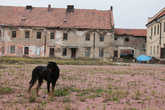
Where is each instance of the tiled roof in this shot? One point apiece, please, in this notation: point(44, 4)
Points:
point(158, 15)
point(56, 17)
point(132, 32)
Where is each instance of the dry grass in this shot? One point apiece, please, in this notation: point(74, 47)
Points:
point(134, 87)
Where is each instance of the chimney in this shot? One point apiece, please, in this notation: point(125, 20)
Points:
point(111, 8)
point(29, 7)
point(70, 8)
point(49, 7)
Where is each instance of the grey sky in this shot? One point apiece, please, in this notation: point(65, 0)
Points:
point(127, 13)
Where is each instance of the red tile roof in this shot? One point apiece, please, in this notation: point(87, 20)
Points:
point(57, 17)
point(132, 32)
point(158, 15)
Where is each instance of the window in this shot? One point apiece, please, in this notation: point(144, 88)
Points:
point(12, 49)
point(101, 38)
point(157, 49)
point(87, 51)
point(115, 38)
point(65, 36)
point(38, 35)
point(151, 31)
point(155, 30)
point(51, 52)
point(126, 39)
point(0, 33)
point(64, 52)
point(13, 34)
point(27, 34)
point(52, 35)
point(101, 52)
point(158, 29)
point(26, 50)
point(164, 26)
point(151, 50)
point(87, 37)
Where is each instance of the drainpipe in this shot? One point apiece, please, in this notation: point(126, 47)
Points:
point(94, 45)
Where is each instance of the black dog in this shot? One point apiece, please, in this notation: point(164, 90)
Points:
point(50, 73)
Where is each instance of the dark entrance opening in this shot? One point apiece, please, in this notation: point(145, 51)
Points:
point(162, 54)
point(51, 52)
point(73, 52)
point(116, 53)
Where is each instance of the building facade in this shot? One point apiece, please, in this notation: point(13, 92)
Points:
point(129, 42)
point(156, 35)
point(56, 32)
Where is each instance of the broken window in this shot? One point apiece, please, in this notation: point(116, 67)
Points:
point(27, 34)
point(26, 50)
point(65, 36)
point(52, 35)
point(87, 51)
point(87, 37)
point(101, 52)
point(101, 38)
point(12, 49)
point(38, 35)
point(13, 34)
point(64, 52)
point(127, 39)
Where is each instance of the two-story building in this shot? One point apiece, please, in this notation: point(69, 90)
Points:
point(129, 42)
point(56, 32)
point(156, 35)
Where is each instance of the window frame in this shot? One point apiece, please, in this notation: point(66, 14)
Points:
point(14, 34)
point(39, 34)
point(12, 49)
point(65, 36)
point(27, 36)
point(101, 38)
point(26, 52)
point(87, 37)
point(87, 51)
point(64, 52)
point(52, 35)
point(101, 52)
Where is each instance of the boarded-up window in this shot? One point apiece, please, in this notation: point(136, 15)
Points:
point(101, 52)
point(27, 34)
point(38, 35)
point(52, 35)
point(14, 34)
point(12, 49)
point(26, 50)
point(64, 52)
point(87, 51)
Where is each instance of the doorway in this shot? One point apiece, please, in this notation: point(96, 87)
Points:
point(51, 52)
point(73, 52)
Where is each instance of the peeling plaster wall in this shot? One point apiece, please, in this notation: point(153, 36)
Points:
point(41, 47)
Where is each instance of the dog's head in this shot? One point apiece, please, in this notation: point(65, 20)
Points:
point(51, 65)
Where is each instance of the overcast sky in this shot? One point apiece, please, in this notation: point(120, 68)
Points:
point(127, 13)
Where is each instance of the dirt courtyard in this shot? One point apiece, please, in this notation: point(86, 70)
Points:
point(109, 87)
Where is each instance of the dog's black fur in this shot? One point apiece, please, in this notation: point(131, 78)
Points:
point(50, 73)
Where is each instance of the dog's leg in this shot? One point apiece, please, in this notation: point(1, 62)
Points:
point(32, 82)
point(48, 86)
point(53, 86)
point(38, 86)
